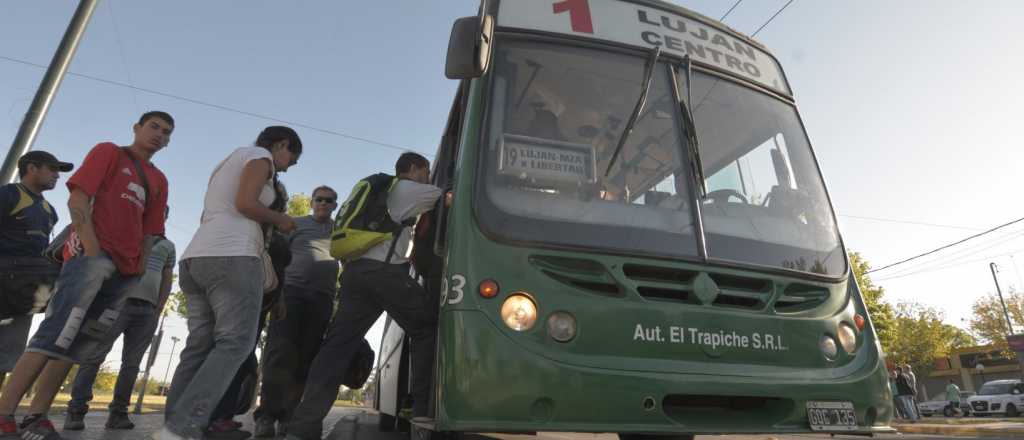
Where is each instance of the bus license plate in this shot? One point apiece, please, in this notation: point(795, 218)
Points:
point(831, 416)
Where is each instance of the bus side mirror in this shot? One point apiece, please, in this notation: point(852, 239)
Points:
point(469, 49)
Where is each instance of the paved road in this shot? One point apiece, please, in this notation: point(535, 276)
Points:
point(361, 424)
point(147, 424)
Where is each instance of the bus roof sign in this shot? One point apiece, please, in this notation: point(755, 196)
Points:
point(638, 25)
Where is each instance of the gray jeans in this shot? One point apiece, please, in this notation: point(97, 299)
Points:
point(223, 295)
point(136, 322)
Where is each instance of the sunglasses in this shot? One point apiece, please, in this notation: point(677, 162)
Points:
point(323, 200)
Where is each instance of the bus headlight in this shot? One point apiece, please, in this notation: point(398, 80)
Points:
point(519, 312)
point(562, 326)
point(828, 347)
point(847, 337)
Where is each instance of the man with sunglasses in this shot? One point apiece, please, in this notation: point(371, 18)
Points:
point(310, 285)
point(26, 220)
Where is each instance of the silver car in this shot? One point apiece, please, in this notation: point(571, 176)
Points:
point(939, 405)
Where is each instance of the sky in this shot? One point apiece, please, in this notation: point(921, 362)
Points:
point(910, 107)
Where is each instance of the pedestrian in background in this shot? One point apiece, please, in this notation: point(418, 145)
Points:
point(906, 394)
point(953, 396)
point(117, 204)
point(222, 276)
point(897, 406)
point(137, 322)
point(311, 283)
point(26, 221)
point(913, 386)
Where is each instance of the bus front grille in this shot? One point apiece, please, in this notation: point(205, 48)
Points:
point(800, 297)
point(742, 292)
point(661, 283)
point(583, 274)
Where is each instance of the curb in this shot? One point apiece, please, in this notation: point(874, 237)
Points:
point(979, 430)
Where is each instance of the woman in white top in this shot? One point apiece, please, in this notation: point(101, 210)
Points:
point(221, 275)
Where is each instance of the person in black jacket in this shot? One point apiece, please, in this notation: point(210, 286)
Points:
point(905, 394)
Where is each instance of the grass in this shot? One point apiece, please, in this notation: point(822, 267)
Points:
point(151, 404)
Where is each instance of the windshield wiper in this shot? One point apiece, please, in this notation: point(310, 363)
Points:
point(691, 131)
point(652, 61)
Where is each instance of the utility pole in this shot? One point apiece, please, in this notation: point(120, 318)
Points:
point(1006, 313)
point(153, 349)
point(174, 342)
point(47, 89)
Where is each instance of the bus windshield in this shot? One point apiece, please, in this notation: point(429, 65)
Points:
point(556, 116)
point(766, 201)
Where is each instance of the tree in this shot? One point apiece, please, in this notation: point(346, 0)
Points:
point(920, 336)
point(299, 205)
point(989, 321)
point(176, 303)
point(881, 312)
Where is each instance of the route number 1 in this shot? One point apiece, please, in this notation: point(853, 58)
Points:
point(579, 14)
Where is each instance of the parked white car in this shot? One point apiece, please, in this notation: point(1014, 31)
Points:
point(999, 397)
point(939, 405)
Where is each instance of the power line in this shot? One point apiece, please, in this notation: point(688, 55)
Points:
point(783, 8)
point(909, 222)
point(730, 10)
point(959, 255)
point(958, 260)
point(224, 108)
point(987, 258)
point(947, 246)
point(124, 58)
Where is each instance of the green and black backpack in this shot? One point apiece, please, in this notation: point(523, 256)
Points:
point(363, 220)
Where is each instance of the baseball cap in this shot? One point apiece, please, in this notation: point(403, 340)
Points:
point(44, 158)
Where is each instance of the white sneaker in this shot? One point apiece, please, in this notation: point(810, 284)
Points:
point(165, 434)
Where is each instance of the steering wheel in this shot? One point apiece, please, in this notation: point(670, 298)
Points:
point(723, 195)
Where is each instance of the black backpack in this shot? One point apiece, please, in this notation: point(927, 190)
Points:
point(359, 369)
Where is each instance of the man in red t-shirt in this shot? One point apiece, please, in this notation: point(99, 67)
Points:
point(117, 204)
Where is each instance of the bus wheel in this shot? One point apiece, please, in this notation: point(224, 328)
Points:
point(623, 436)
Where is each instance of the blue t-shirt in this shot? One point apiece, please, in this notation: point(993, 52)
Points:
point(26, 220)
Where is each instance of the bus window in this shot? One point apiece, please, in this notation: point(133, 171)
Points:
point(557, 114)
point(766, 202)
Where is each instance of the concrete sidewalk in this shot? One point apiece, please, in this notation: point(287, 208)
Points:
point(1008, 428)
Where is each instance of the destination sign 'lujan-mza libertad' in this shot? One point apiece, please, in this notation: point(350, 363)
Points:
point(632, 24)
point(546, 161)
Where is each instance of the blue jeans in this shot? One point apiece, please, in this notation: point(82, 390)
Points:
point(13, 336)
point(81, 316)
point(137, 322)
point(908, 406)
point(223, 295)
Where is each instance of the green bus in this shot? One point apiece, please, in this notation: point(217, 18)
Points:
point(639, 239)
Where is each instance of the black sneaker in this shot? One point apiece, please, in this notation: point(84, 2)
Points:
point(74, 421)
point(264, 428)
point(38, 427)
point(119, 420)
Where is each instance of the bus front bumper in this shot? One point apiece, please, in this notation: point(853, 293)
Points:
point(489, 383)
